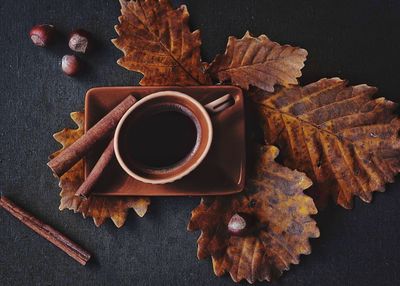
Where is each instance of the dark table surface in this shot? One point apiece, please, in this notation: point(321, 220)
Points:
point(356, 40)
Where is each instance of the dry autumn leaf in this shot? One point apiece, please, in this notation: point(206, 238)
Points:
point(157, 42)
point(346, 141)
point(274, 198)
point(259, 62)
point(99, 208)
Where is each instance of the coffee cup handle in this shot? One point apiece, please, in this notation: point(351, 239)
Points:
point(220, 104)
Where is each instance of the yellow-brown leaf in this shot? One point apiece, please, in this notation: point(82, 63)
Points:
point(259, 62)
point(275, 198)
point(346, 141)
point(99, 208)
point(157, 42)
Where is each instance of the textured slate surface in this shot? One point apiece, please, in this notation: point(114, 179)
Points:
point(358, 41)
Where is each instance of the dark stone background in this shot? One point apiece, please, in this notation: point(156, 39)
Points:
point(356, 40)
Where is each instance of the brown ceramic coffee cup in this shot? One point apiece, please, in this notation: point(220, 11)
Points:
point(164, 136)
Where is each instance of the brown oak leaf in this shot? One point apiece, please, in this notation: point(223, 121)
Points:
point(274, 198)
point(99, 208)
point(259, 62)
point(345, 140)
point(157, 42)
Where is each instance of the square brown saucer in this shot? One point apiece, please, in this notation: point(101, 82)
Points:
point(221, 172)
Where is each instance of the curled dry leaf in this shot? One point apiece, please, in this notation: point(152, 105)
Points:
point(275, 200)
point(99, 208)
point(157, 42)
point(346, 141)
point(259, 62)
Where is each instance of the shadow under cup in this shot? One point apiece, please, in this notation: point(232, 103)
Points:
point(163, 137)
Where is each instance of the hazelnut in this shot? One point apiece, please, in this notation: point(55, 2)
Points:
point(70, 65)
point(42, 35)
point(80, 41)
point(238, 224)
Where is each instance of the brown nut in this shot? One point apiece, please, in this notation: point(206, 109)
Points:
point(80, 41)
point(42, 35)
point(239, 224)
point(70, 65)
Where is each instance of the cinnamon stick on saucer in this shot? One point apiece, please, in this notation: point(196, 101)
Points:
point(46, 231)
point(96, 172)
point(72, 154)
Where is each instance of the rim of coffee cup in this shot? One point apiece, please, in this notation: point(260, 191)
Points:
point(141, 102)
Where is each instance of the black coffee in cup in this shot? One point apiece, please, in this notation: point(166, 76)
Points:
point(159, 138)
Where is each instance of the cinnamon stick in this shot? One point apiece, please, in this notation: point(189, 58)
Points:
point(86, 187)
point(72, 154)
point(46, 231)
